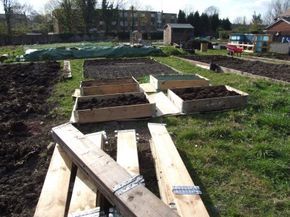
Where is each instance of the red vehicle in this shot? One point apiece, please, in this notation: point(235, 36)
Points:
point(232, 50)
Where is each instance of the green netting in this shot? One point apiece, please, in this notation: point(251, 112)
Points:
point(91, 52)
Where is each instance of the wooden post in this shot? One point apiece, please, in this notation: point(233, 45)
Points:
point(171, 171)
point(106, 174)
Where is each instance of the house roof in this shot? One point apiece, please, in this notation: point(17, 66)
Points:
point(286, 20)
point(179, 26)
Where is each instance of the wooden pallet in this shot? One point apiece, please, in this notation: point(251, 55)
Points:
point(209, 104)
point(53, 199)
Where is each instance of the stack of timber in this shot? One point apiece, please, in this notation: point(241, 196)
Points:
point(171, 172)
point(67, 69)
point(103, 172)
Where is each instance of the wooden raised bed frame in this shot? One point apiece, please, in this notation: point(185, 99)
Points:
point(164, 82)
point(97, 87)
point(210, 104)
point(112, 113)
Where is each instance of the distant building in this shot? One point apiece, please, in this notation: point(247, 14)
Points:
point(177, 33)
point(280, 29)
point(130, 20)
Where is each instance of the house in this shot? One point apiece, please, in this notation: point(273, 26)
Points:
point(177, 33)
point(280, 31)
point(281, 27)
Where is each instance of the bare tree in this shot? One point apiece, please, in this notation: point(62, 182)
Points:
point(238, 20)
point(211, 10)
point(8, 10)
point(276, 8)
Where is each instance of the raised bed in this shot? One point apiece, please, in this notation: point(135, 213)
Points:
point(164, 82)
point(109, 86)
point(205, 99)
point(90, 109)
point(124, 68)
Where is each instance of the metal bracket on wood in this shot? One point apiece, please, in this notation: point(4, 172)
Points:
point(186, 190)
point(128, 185)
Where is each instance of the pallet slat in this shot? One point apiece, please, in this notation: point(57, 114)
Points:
point(127, 154)
point(53, 197)
point(171, 171)
point(106, 174)
point(84, 192)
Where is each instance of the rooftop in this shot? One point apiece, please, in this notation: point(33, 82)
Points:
point(179, 26)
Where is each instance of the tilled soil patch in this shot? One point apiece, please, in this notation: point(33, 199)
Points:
point(204, 92)
point(124, 68)
point(275, 71)
point(118, 101)
point(24, 130)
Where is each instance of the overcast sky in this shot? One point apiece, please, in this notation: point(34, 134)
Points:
point(228, 8)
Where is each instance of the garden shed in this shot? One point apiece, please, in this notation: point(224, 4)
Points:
point(177, 33)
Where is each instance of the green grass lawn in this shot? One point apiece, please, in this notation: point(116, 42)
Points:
point(241, 158)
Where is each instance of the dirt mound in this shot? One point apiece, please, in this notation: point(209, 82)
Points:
point(24, 131)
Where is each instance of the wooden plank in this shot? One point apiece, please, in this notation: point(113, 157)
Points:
point(147, 88)
point(163, 104)
point(164, 82)
point(106, 174)
point(53, 197)
point(67, 69)
point(209, 104)
point(109, 89)
point(112, 113)
point(174, 173)
point(127, 153)
point(84, 192)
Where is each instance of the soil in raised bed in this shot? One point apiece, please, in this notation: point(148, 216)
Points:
point(24, 130)
point(204, 92)
point(275, 71)
point(124, 68)
point(99, 82)
point(118, 101)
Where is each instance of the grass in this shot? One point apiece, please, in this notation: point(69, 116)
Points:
point(240, 159)
point(12, 51)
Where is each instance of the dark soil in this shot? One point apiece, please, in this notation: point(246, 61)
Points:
point(275, 71)
point(204, 92)
point(118, 101)
point(123, 68)
point(24, 131)
point(274, 56)
point(91, 83)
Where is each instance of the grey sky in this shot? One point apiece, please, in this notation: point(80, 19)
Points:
point(228, 8)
